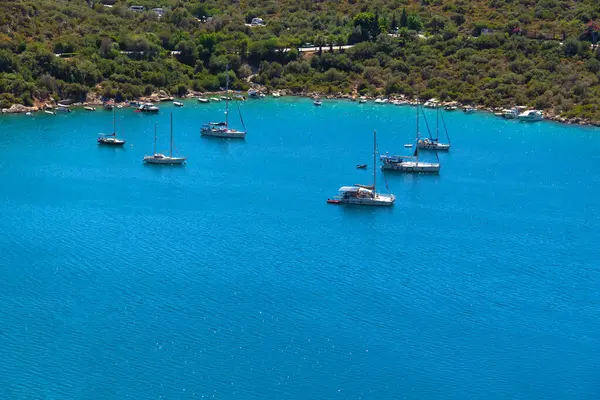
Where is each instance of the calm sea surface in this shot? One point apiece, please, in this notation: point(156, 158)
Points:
point(231, 277)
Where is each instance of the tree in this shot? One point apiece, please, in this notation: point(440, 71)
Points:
point(571, 47)
point(394, 24)
point(404, 19)
point(415, 23)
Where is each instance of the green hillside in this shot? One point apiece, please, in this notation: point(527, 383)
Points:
point(493, 52)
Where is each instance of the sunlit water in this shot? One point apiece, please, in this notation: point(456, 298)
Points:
point(231, 277)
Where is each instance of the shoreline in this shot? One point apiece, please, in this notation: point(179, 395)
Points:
point(162, 97)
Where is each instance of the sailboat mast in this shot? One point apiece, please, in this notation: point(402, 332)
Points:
point(417, 145)
point(171, 150)
point(227, 96)
point(114, 123)
point(437, 124)
point(155, 138)
point(374, 160)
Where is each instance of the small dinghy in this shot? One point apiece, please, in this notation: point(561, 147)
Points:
point(408, 145)
point(333, 201)
point(361, 166)
point(178, 104)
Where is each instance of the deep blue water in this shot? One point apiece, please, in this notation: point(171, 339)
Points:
point(232, 278)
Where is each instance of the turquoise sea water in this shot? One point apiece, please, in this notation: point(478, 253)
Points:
point(231, 277)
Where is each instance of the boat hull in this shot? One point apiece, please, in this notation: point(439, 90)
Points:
point(379, 201)
point(164, 160)
point(115, 142)
point(224, 134)
point(434, 146)
point(412, 167)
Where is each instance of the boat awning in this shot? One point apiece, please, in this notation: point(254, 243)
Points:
point(348, 189)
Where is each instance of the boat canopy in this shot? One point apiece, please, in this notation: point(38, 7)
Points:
point(348, 189)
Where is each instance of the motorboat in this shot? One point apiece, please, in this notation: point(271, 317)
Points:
point(204, 101)
point(148, 107)
point(469, 110)
point(531, 116)
point(317, 102)
point(361, 166)
point(178, 104)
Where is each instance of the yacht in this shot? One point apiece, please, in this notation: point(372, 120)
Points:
point(222, 129)
point(253, 94)
point(511, 113)
point(111, 139)
point(148, 107)
point(362, 100)
point(158, 158)
point(410, 164)
point(531, 116)
point(433, 143)
point(432, 103)
point(361, 194)
point(317, 102)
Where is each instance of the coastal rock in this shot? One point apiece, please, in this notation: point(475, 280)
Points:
point(19, 108)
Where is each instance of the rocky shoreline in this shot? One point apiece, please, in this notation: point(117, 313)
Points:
point(94, 101)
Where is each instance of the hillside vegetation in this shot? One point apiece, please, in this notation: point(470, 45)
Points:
point(491, 52)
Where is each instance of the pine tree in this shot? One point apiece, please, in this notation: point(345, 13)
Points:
point(394, 23)
point(403, 18)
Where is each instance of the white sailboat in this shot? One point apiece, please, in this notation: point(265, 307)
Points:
point(410, 164)
point(158, 158)
point(111, 139)
point(220, 129)
point(364, 195)
point(433, 143)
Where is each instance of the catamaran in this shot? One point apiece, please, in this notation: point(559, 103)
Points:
point(158, 158)
point(410, 164)
point(111, 139)
point(433, 143)
point(364, 195)
point(222, 129)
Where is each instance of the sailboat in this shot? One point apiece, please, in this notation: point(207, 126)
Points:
point(111, 139)
point(434, 143)
point(221, 129)
point(158, 158)
point(364, 195)
point(410, 163)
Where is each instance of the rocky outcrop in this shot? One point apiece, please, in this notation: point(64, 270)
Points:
point(19, 108)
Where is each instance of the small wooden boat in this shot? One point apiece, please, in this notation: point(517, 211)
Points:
point(361, 166)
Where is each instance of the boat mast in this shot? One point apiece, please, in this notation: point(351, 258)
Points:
point(374, 160)
point(417, 146)
point(114, 123)
point(155, 138)
point(227, 96)
point(171, 151)
point(437, 124)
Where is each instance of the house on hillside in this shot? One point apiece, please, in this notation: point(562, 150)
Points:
point(159, 12)
point(257, 22)
point(487, 31)
point(137, 8)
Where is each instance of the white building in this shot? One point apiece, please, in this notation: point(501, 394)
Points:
point(257, 21)
point(137, 8)
point(159, 11)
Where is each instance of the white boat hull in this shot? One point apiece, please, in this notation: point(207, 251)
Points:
point(380, 200)
point(434, 146)
point(164, 160)
point(224, 134)
point(412, 167)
